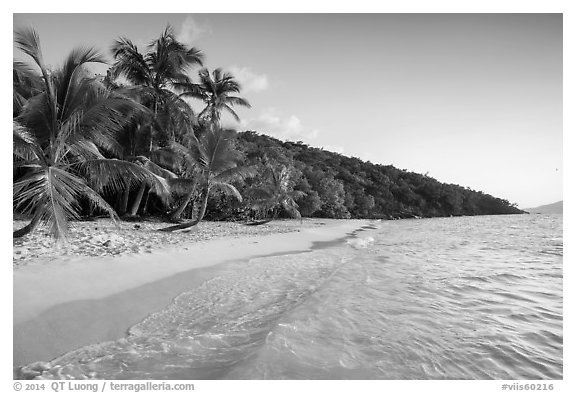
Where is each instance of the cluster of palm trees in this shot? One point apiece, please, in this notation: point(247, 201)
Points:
point(276, 193)
point(80, 139)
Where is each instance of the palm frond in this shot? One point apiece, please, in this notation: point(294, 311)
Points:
point(67, 74)
point(22, 70)
point(24, 145)
point(219, 147)
point(181, 186)
point(172, 156)
point(97, 201)
point(232, 100)
point(192, 90)
point(130, 63)
point(260, 193)
point(83, 150)
point(232, 112)
point(36, 116)
point(157, 170)
point(175, 115)
point(169, 58)
point(53, 194)
point(236, 173)
point(291, 208)
point(228, 189)
point(28, 41)
point(105, 117)
point(119, 174)
point(26, 83)
point(26, 192)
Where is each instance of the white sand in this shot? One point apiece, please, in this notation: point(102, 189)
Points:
point(60, 304)
point(103, 238)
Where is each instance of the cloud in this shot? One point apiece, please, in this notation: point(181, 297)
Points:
point(249, 80)
point(287, 128)
point(191, 31)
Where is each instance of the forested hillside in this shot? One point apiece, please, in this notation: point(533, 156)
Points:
point(327, 184)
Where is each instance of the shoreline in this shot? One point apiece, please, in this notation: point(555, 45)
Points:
point(61, 306)
point(102, 238)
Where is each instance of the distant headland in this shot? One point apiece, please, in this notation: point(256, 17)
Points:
point(553, 208)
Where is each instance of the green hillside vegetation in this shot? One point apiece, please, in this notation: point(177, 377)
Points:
point(331, 185)
point(128, 145)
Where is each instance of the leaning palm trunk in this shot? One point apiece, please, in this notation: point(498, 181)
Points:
point(177, 213)
point(202, 210)
point(156, 171)
point(194, 222)
point(217, 160)
point(28, 228)
point(153, 120)
point(124, 202)
point(136, 204)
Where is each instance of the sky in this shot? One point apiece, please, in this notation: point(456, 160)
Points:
point(469, 99)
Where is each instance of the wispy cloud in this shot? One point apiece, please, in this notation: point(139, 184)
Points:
point(250, 81)
point(190, 30)
point(288, 128)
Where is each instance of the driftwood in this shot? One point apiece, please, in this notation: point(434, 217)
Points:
point(179, 226)
point(261, 222)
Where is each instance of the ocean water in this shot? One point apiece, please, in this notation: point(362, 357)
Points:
point(447, 298)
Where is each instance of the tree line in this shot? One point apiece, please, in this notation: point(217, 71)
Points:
point(297, 179)
point(129, 145)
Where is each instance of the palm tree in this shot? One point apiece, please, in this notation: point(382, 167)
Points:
point(59, 137)
point(186, 186)
point(133, 151)
point(215, 91)
point(156, 73)
point(276, 193)
point(216, 159)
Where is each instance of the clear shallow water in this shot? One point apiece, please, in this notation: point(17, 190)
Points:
point(454, 298)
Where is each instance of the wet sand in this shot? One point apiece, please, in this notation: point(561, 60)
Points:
point(67, 304)
point(74, 324)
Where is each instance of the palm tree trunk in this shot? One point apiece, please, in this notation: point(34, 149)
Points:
point(190, 213)
point(203, 206)
point(153, 121)
point(194, 222)
point(28, 228)
point(137, 201)
point(175, 215)
point(145, 209)
point(124, 203)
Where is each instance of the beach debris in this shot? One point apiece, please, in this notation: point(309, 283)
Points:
point(261, 222)
point(107, 243)
point(20, 253)
point(33, 370)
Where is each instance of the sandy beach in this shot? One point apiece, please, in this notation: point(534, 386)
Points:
point(102, 237)
point(107, 279)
